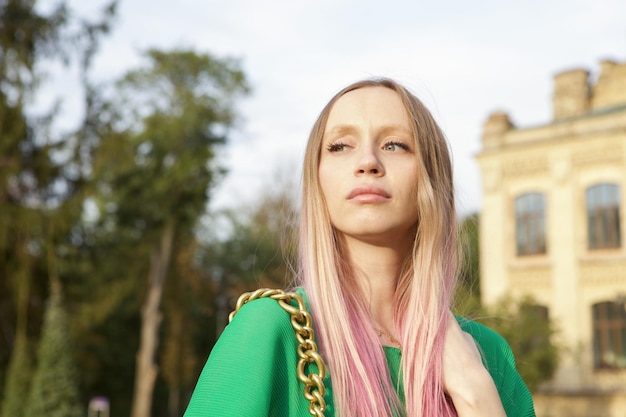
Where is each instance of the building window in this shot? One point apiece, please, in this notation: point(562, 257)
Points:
point(603, 216)
point(609, 335)
point(530, 224)
point(537, 311)
point(537, 316)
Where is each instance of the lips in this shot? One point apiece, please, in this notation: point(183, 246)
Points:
point(368, 193)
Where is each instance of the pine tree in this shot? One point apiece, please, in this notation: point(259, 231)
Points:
point(54, 391)
point(18, 377)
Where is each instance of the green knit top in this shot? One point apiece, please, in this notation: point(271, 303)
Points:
point(251, 370)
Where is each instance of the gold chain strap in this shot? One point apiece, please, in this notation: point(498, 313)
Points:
point(314, 389)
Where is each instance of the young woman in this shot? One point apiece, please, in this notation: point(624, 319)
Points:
point(378, 258)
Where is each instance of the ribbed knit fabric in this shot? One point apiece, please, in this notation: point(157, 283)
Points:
point(251, 371)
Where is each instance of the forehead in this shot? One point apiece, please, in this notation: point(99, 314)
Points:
point(368, 106)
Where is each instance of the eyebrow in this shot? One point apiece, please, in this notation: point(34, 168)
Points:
point(346, 129)
point(397, 128)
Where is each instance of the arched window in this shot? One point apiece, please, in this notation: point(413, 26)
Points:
point(530, 224)
point(609, 335)
point(603, 225)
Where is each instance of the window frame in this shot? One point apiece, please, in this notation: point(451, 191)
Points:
point(603, 206)
point(609, 335)
point(530, 224)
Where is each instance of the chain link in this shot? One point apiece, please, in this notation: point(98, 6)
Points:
point(314, 389)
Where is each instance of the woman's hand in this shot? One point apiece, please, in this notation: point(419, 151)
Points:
point(465, 378)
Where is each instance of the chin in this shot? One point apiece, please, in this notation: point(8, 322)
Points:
point(383, 237)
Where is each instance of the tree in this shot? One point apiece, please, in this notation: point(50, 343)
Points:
point(35, 187)
point(54, 391)
point(530, 333)
point(19, 377)
point(153, 173)
point(184, 307)
point(254, 248)
point(26, 170)
point(259, 249)
point(467, 296)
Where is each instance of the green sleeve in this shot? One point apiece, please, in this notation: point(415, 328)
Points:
point(500, 362)
point(251, 370)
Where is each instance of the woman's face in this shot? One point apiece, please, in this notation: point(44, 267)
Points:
point(369, 167)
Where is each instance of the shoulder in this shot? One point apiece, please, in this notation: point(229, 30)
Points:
point(268, 307)
point(500, 362)
point(260, 317)
point(478, 330)
point(250, 370)
point(493, 345)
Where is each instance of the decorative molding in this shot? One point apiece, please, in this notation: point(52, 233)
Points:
point(603, 275)
point(610, 380)
point(531, 279)
point(526, 166)
point(596, 156)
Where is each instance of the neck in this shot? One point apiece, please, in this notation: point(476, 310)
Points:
point(377, 269)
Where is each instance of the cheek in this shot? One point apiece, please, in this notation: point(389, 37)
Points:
point(413, 196)
point(414, 190)
point(330, 190)
point(326, 180)
point(415, 183)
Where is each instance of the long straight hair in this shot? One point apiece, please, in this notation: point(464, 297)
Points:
point(422, 298)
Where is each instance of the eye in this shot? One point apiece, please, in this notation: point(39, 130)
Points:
point(394, 146)
point(336, 147)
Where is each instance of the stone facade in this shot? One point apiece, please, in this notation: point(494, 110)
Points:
point(583, 146)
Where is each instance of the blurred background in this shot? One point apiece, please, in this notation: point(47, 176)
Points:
point(149, 170)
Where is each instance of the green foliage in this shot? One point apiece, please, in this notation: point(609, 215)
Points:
point(26, 168)
point(25, 37)
point(37, 188)
point(145, 158)
point(260, 249)
point(188, 312)
point(255, 248)
point(467, 296)
point(19, 377)
point(153, 173)
point(530, 333)
point(54, 391)
point(158, 165)
point(106, 353)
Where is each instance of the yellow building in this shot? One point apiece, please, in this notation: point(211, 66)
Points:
point(553, 227)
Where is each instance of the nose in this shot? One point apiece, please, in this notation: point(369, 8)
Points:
point(369, 163)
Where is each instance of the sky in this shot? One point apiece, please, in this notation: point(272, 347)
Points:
point(463, 59)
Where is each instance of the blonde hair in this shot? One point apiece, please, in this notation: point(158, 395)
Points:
point(348, 342)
